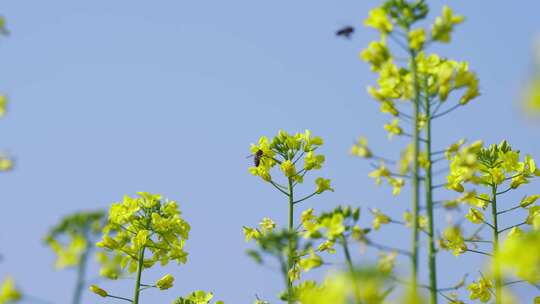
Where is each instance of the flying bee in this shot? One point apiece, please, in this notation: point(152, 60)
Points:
point(257, 157)
point(345, 32)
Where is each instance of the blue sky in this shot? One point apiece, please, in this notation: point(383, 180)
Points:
point(113, 97)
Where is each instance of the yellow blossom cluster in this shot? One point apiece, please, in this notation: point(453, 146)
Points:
point(520, 255)
point(71, 238)
point(332, 227)
point(9, 293)
point(146, 227)
point(197, 297)
point(287, 151)
point(383, 172)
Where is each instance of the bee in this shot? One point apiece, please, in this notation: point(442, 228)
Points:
point(257, 157)
point(345, 32)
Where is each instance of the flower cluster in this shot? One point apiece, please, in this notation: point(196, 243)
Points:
point(9, 292)
point(483, 175)
point(332, 226)
point(146, 227)
point(481, 290)
point(338, 226)
point(525, 264)
point(462, 165)
point(360, 148)
point(383, 172)
point(267, 225)
point(141, 232)
point(444, 25)
point(491, 167)
point(438, 76)
point(429, 74)
point(338, 288)
point(453, 239)
point(197, 297)
point(110, 264)
point(285, 151)
point(71, 238)
point(379, 218)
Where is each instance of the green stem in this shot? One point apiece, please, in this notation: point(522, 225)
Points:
point(351, 269)
point(416, 179)
point(498, 278)
point(290, 261)
point(81, 273)
point(284, 266)
point(140, 265)
point(120, 298)
point(432, 262)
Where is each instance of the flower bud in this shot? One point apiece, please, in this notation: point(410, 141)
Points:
point(288, 168)
point(165, 282)
point(100, 292)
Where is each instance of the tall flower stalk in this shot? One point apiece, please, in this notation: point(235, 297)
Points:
point(72, 241)
point(426, 82)
point(432, 253)
point(489, 173)
point(415, 169)
point(286, 151)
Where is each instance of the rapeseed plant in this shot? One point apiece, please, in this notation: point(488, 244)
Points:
point(484, 175)
point(424, 83)
point(143, 231)
point(287, 152)
point(72, 241)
